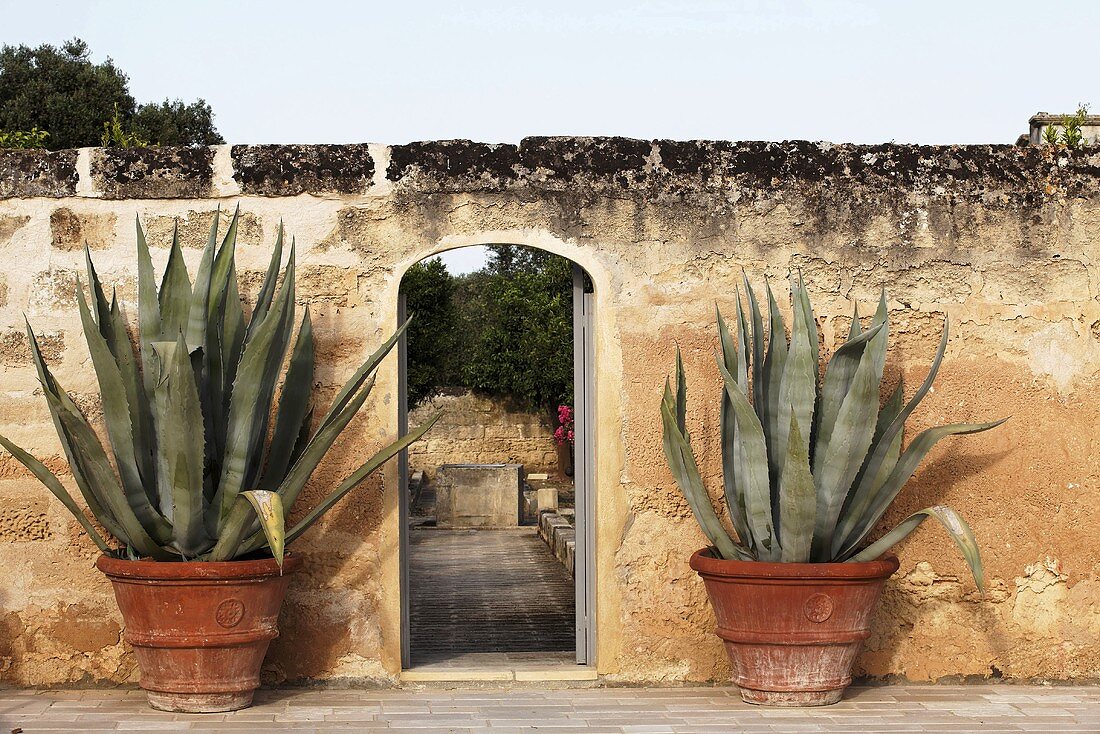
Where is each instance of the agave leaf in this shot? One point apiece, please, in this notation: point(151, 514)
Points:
point(175, 292)
point(256, 504)
point(907, 465)
point(98, 470)
point(803, 304)
point(223, 268)
point(956, 527)
point(319, 445)
point(267, 290)
point(141, 416)
point(243, 433)
point(200, 295)
point(232, 338)
point(356, 381)
point(102, 308)
point(856, 329)
point(753, 477)
point(180, 451)
point(681, 394)
point(742, 345)
point(270, 379)
point(774, 365)
point(731, 447)
point(116, 414)
point(316, 449)
point(294, 405)
point(862, 494)
point(681, 461)
point(839, 374)
point(886, 417)
point(223, 315)
point(87, 490)
point(797, 501)
point(757, 353)
point(148, 309)
point(52, 483)
point(798, 386)
point(849, 439)
point(360, 474)
point(302, 441)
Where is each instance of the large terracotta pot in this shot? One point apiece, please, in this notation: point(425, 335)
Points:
point(200, 630)
point(792, 630)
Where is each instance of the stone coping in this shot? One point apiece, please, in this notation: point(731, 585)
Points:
point(623, 166)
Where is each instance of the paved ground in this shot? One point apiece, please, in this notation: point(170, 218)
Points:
point(999, 708)
point(486, 591)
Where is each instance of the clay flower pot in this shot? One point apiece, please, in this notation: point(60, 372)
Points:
point(200, 630)
point(792, 630)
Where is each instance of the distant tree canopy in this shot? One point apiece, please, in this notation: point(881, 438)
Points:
point(508, 331)
point(429, 298)
point(62, 92)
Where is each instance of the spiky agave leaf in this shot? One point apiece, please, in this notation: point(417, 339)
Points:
point(956, 527)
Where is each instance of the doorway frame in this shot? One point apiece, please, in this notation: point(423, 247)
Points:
point(585, 463)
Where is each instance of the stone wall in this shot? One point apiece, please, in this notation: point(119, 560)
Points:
point(475, 429)
point(1003, 240)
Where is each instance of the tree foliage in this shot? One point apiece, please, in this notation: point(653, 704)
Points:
point(505, 330)
point(519, 310)
point(62, 91)
point(429, 297)
point(177, 123)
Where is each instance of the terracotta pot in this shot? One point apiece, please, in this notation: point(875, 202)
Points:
point(200, 630)
point(792, 630)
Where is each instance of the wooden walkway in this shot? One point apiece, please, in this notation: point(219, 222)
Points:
point(486, 591)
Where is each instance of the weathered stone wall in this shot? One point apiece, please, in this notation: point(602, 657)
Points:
point(1003, 240)
point(475, 429)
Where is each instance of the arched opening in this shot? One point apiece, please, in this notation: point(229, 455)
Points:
point(497, 539)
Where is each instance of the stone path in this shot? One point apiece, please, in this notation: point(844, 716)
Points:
point(979, 708)
point(486, 591)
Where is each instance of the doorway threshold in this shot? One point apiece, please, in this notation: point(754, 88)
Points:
point(500, 666)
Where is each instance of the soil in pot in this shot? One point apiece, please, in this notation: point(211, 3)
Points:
point(792, 630)
point(199, 630)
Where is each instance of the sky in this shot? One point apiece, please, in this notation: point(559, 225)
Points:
point(965, 71)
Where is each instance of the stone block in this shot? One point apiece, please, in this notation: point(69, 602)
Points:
point(289, 170)
point(194, 230)
point(9, 226)
point(70, 230)
point(15, 351)
point(548, 498)
point(29, 173)
point(478, 495)
point(153, 173)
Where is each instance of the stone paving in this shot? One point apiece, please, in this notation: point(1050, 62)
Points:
point(486, 591)
point(976, 708)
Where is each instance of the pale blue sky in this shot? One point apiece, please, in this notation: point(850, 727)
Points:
point(392, 72)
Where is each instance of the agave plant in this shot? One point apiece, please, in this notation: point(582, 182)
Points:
point(809, 466)
point(195, 476)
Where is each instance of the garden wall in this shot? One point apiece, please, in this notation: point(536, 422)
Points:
point(476, 429)
point(1003, 240)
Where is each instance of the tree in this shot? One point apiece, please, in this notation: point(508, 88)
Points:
point(177, 123)
point(429, 298)
point(518, 315)
point(505, 330)
point(61, 91)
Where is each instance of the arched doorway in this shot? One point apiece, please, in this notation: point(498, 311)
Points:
point(582, 554)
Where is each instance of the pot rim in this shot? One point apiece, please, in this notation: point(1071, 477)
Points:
point(123, 568)
point(706, 563)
